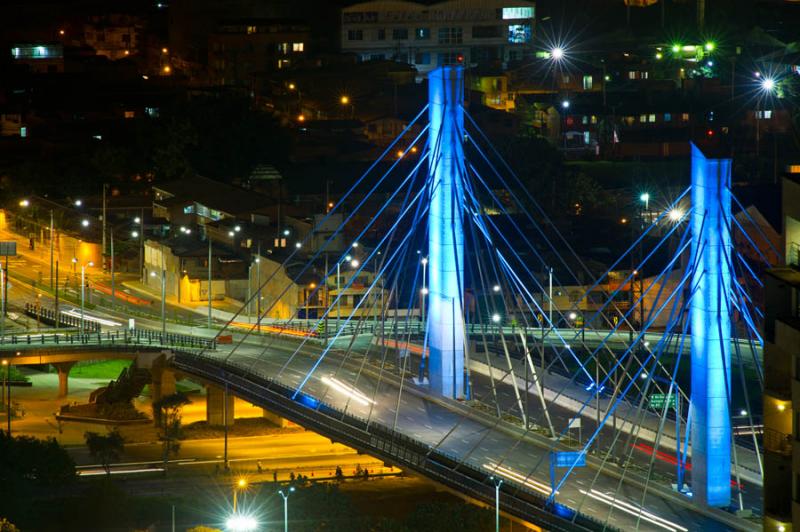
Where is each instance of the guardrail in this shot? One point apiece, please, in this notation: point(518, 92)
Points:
point(48, 316)
point(110, 339)
point(386, 443)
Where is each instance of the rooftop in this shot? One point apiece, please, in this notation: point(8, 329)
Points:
point(212, 194)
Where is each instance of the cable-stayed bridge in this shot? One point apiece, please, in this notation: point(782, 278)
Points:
point(455, 342)
point(454, 360)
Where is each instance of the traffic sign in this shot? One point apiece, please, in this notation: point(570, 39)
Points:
point(658, 400)
point(8, 248)
point(569, 458)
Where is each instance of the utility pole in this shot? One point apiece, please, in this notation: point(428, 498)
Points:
point(258, 291)
point(105, 186)
point(56, 298)
point(113, 292)
point(209, 280)
point(51, 249)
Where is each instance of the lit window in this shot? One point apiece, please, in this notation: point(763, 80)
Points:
point(283, 63)
point(355, 35)
point(510, 13)
point(651, 118)
point(130, 114)
point(23, 132)
point(586, 137)
point(643, 118)
point(251, 29)
point(645, 75)
point(297, 47)
point(631, 74)
point(422, 34)
point(763, 115)
point(587, 83)
point(283, 48)
point(585, 120)
point(667, 117)
point(519, 33)
point(685, 117)
point(594, 119)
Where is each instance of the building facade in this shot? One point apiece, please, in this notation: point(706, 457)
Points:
point(469, 32)
point(782, 376)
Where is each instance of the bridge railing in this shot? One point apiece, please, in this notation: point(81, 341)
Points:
point(119, 338)
point(48, 316)
point(389, 444)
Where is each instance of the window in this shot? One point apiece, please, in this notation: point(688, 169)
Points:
point(565, 78)
point(381, 34)
point(450, 35)
point(297, 47)
point(643, 119)
point(519, 33)
point(355, 35)
point(485, 32)
point(283, 48)
point(510, 13)
point(631, 74)
point(251, 29)
point(763, 115)
point(685, 117)
point(23, 132)
point(667, 117)
point(594, 119)
point(130, 114)
point(451, 58)
point(644, 75)
point(400, 34)
point(283, 63)
point(651, 118)
point(422, 58)
point(587, 83)
point(586, 137)
point(422, 34)
point(585, 120)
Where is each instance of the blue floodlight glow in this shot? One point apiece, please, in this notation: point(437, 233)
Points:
point(307, 400)
point(711, 330)
point(445, 324)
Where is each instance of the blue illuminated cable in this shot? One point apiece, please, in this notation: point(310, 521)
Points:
point(349, 283)
point(778, 254)
point(319, 251)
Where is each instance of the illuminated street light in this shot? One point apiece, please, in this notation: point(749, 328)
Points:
point(676, 48)
point(565, 104)
point(286, 232)
point(355, 244)
point(344, 100)
point(231, 233)
point(645, 198)
point(496, 318)
point(85, 222)
point(659, 55)
point(675, 215)
point(348, 258)
point(572, 316)
point(496, 288)
point(424, 291)
point(767, 84)
point(298, 245)
point(135, 234)
point(164, 50)
point(24, 203)
point(292, 86)
point(237, 228)
point(710, 45)
point(743, 412)
point(286, 507)
point(167, 69)
point(354, 263)
point(241, 523)
point(557, 53)
point(78, 202)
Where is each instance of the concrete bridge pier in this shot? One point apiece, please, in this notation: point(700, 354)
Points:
point(219, 407)
point(163, 382)
point(63, 369)
point(277, 420)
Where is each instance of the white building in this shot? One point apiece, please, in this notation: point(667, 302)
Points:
point(469, 32)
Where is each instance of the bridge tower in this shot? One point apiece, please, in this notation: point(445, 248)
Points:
point(711, 330)
point(446, 172)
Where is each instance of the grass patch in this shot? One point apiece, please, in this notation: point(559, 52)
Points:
point(103, 369)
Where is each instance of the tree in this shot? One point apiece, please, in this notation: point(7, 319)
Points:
point(167, 413)
point(105, 448)
point(7, 526)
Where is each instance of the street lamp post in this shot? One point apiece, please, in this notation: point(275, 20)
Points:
point(51, 249)
point(424, 262)
point(286, 507)
point(241, 484)
point(497, 483)
point(8, 392)
point(83, 290)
